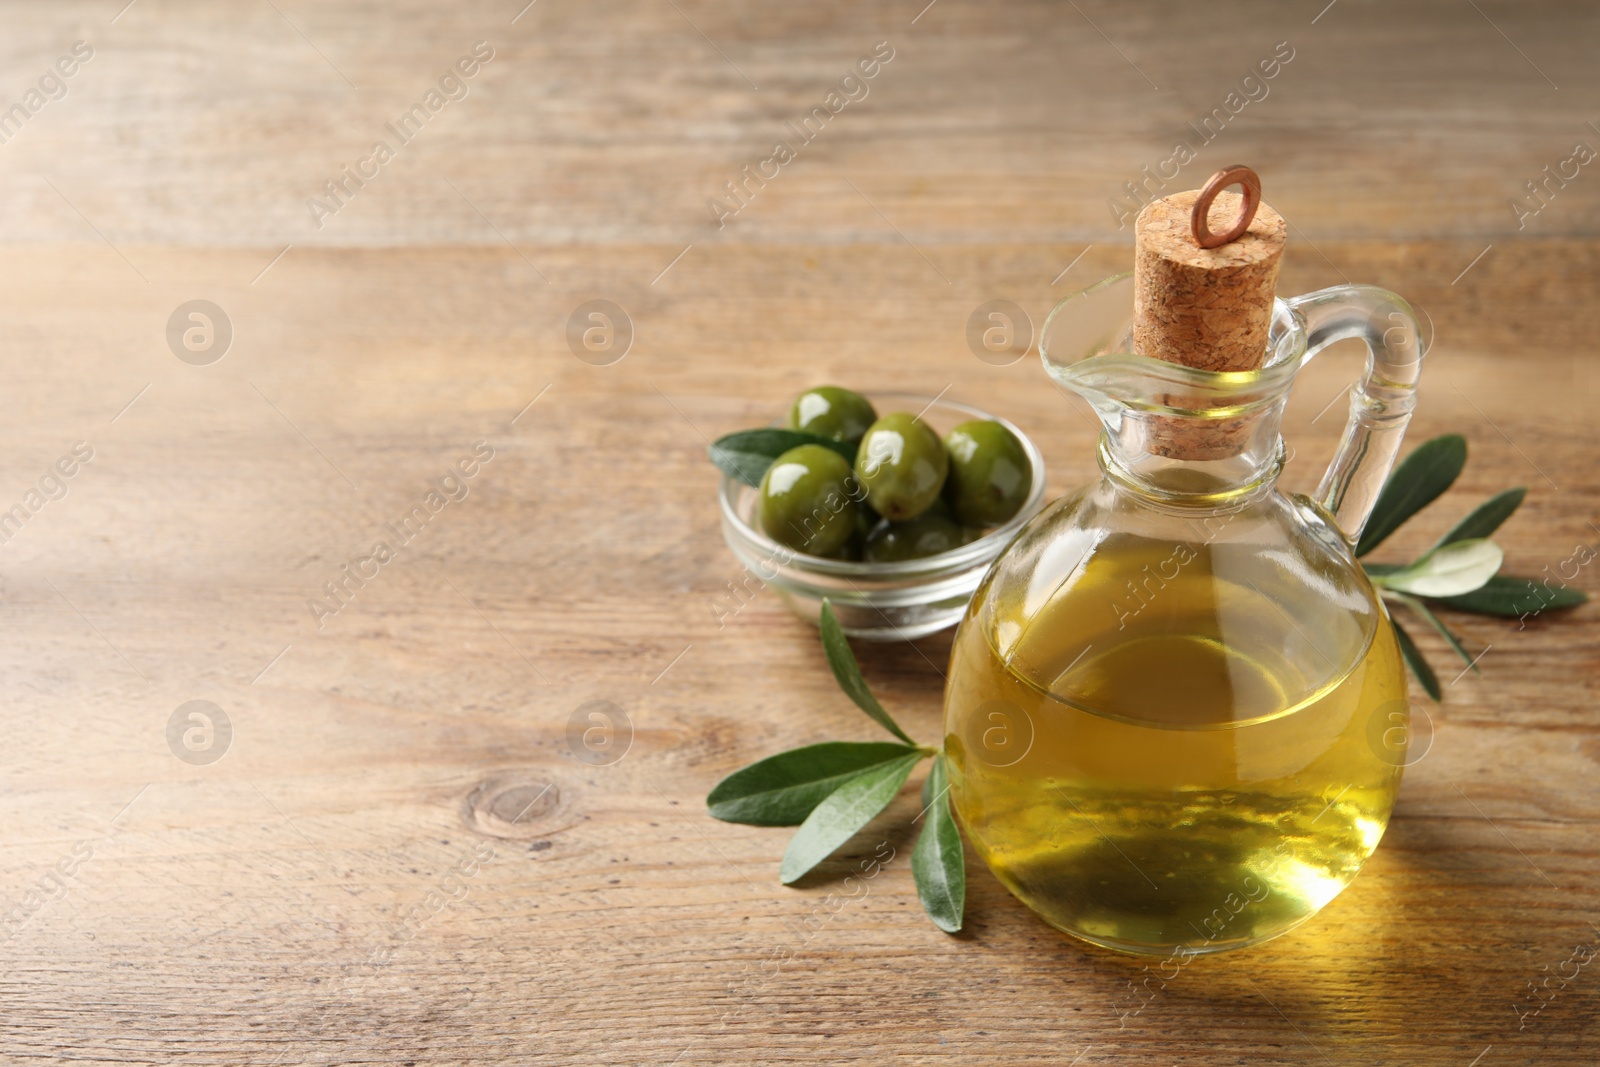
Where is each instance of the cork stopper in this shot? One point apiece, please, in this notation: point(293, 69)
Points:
point(1206, 307)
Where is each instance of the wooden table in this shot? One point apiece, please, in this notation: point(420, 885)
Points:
point(399, 856)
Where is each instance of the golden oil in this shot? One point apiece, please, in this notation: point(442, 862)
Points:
point(1176, 744)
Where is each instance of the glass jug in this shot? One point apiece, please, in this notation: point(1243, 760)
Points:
point(1172, 703)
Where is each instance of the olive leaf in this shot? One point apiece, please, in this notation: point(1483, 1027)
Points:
point(746, 454)
point(1486, 518)
point(1513, 597)
point(847, 672)
point(1449, 570)
point(938, 864)
point(1413, 485)
point(1433, 620)
point(1461, 571)
point(782, 790)
point(844, 811)
point(1418, 665)
point(835, 788)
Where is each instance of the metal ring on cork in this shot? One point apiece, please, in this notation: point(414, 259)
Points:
point(1199, 226)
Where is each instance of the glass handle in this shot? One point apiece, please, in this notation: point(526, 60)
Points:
point(1380, 403)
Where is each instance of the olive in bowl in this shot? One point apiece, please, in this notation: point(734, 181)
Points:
point(902, 465)
point(990, 473)
point(928, 534)
point(832, 412)
point(806, 500)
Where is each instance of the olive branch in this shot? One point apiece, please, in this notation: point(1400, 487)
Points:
point(1461, 570)
point(833, 789)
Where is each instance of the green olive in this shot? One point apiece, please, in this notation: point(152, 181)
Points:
point(849, 552)
point(989, 473)
point(902, 463)
point(806, 500)
point(925, 535)
point(832, 412)
point(867, 520)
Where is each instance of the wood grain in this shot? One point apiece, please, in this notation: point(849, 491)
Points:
point(348, 883)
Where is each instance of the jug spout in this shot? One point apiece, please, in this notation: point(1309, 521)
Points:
point(1182, 432)
point(1170, 429)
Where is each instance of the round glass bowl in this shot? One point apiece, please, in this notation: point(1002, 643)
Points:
point(879, 601)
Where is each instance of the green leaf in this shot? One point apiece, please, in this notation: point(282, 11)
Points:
point(938, 865)
point(1486, 518)
point(1433, 620)
point(747, 454)
point(1512, 597)
point(848, 673)
point(782, 790)
point(1413, 485)
point(1414, 660)
point(1449, 570)
point(845, 811)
